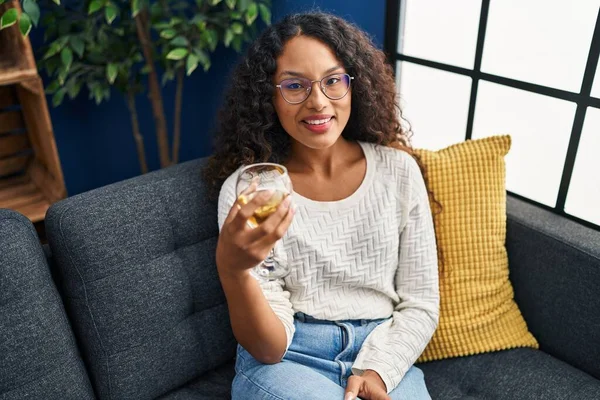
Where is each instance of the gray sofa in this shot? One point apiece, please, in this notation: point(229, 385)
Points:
point(125, 302)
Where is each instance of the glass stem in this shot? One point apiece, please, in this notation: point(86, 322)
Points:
point(269, 261)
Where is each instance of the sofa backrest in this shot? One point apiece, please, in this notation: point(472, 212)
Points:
point(555, 270)
point(136, 266)
point(38, 355)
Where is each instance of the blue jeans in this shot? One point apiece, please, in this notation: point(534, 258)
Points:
point(316, 366)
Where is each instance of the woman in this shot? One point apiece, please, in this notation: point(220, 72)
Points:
point(362, 300)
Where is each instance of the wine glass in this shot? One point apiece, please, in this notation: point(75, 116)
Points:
point(252, 180)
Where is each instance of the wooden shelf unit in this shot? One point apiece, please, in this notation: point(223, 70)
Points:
point(31, 178)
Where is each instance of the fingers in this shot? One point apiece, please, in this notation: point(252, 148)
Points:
point(353, 388)
point(359, 386)
point(245, 211)
point(236, 205)
point(274, 227)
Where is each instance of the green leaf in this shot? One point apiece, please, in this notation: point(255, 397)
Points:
point(73, 89)
point(136, 6)
point(95, 5)
point(110, 13)
point(237, 43)
point(168, 34)
point(175, 20)
point(203, 58)
point(62, 74)
point(237, 28)
point(230, 4)
point(191, 64)
point(58, 97)
point(77, 45)
point(66, 55)
point(177, 54)
point(145, 70)
point(98, 94)
point(57, 2)
point(159, 26)
point(252, 13)
point(52, 87)
point(214, 2)
point(242, 5)
point(9, 18)
point(265, 13)
point(179, 41)
point(111, 72)
point(212, 38)
point(228, 37)
point(24, 24)
point(156, 11)
point(33, 10)
point(169, 75)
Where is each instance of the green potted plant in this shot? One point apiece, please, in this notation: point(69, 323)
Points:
point(99, 44)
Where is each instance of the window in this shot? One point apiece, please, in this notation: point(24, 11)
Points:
point(528, 68)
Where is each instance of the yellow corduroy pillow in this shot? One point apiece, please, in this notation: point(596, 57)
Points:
point(477, 311)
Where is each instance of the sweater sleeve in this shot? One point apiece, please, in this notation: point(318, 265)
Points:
point(394, 346)
point(274, 291)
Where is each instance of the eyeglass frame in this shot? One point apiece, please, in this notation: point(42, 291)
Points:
point(309, 88)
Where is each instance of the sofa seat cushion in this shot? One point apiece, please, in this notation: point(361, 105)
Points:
point(213, 385)
point(512, 374)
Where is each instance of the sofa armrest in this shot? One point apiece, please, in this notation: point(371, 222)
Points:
point(555, 271)
point(38, 355)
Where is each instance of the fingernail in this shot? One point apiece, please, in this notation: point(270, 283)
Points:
point(349, 396)
point(286, 202)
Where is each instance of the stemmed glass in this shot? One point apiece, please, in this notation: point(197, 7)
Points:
point(252, 180)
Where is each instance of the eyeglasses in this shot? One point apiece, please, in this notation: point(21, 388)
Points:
point(296, 90)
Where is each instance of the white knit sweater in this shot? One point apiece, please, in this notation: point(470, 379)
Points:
point(371, 255)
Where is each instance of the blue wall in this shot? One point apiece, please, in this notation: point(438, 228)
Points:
point(95, 143)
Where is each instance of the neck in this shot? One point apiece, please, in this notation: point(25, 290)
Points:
point(324, 162)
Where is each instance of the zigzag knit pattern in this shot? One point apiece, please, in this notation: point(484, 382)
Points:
point(371, 255)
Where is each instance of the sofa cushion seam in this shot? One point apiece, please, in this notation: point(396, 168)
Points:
point(67, 251)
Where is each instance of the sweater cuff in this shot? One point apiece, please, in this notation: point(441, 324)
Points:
point(389, 383)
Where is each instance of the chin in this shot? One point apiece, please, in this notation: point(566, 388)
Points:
point(319, 142)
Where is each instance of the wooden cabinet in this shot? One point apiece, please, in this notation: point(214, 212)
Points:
point(31, 177)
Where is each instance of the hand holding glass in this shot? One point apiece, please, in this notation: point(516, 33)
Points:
point(252, 180)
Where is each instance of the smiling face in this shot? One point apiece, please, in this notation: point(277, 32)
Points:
point(318, 121)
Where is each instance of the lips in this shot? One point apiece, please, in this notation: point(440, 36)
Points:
point(318, 121)
point(318, 125)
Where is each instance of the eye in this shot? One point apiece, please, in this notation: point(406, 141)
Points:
point(292, 85)
point(332, 80)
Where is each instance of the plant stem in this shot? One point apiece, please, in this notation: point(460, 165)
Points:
point(154, 94)
point(177, 124)
point(139, 139)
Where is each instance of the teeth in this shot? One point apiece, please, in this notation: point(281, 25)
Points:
point(318, 121)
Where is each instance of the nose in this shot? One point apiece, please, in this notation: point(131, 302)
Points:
point(316, 98)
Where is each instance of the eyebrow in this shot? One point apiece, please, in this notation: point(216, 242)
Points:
point(298, 74)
